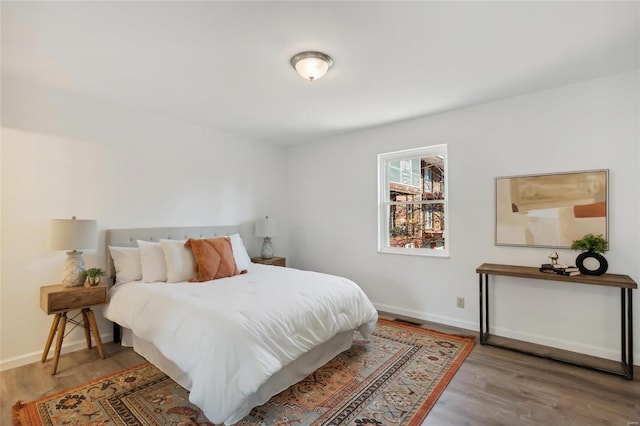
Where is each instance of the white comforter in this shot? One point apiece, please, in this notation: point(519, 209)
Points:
point(230, 335)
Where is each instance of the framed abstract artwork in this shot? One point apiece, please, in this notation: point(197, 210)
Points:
point(551, 210)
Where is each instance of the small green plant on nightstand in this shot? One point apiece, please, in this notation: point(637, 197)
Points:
point(592, 243)
point(93, 275)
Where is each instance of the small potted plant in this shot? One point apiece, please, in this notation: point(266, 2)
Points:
point(93, 275)
point(592, 247)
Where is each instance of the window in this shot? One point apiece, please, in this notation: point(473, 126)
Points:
point(412, 201)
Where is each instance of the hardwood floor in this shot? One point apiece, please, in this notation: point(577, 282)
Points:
point(492, 387)
point(496, 386)
point(34, 381)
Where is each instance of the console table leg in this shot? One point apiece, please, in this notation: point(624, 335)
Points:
point(626, 326)
point(486, 307)
point(630, 327)
point(481, 307)
point(483, 281)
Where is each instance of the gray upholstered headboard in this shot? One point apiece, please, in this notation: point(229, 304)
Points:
point(128, 237)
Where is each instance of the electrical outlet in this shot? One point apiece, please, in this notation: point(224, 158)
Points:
point(460, 302)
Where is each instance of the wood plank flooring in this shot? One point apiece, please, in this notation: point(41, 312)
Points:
point(493, 387)
point(34, 381)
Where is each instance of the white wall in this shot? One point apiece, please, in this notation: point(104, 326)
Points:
point(589, 125)
point(62, 155)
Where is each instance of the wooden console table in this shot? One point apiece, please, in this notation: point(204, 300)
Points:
point(623, 282)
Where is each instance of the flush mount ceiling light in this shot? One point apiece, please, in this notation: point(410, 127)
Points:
point(312, 65)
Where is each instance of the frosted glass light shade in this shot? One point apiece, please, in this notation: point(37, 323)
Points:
point(312, 65)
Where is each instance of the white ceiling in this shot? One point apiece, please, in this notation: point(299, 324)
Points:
point(226, 64)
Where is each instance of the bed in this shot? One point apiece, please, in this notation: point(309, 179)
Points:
point(236, 341)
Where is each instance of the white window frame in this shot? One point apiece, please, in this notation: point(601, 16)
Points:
point(384, 202)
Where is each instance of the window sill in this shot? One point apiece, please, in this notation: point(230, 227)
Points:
point(437, 252)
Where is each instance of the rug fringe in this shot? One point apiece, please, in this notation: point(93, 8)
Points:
point(15, 413)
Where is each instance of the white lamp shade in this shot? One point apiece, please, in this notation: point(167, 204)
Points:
point(266, 227)
point(73, 234)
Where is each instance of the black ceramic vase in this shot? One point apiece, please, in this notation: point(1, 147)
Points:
point(602, 262)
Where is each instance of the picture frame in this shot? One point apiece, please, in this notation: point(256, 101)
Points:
point(552, 209)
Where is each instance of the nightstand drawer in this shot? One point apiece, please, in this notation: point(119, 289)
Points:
point(57, 298)
point(275, 261)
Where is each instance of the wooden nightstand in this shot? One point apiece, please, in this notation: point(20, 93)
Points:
point(275, 261)
point(59, 300)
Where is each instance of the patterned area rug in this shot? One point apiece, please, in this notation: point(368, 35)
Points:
point(393, 379)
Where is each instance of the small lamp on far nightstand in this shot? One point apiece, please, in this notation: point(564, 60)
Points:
point(73, 234)
point(266, 228)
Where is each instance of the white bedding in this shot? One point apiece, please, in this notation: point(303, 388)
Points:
point(230, 335)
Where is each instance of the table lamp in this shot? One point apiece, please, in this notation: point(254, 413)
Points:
point(74, 235)
point(266, 228)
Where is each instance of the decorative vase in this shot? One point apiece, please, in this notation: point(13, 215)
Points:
point(603, 265)
point(93, 280)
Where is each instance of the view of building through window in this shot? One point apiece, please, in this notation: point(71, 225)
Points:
point(413, 199)
point(412, 222)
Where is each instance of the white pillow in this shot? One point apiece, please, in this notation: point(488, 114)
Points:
point(243, 261)
point(127, 263)
point(154, 267)
point(181, 265)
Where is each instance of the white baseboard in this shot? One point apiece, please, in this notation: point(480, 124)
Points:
point(473, 327)
point(72, 346)
point(606, 353)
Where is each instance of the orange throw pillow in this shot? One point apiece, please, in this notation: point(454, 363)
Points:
point(214, 258)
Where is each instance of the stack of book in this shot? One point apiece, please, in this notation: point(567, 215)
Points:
point(559, 269)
